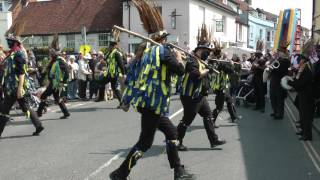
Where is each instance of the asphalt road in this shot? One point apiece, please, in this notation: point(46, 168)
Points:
point(95, 140)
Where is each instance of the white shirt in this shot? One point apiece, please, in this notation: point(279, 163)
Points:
point(73, 73)
point(84, 70)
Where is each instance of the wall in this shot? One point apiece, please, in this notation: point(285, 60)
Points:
point(92, 40)
point(211, 14)
point(5, 23)
point(180, 34)
point(257, 24)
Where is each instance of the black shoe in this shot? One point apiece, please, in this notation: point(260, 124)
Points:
point(217, 143)
point(278, 117)
point(38, 131)
point(98, 100)
point(300, 133)
point(65, 116)
point(181, 147)
point(272, 114)
point(181, 173)
point(262, 110)
point(115, 175)
point(304, 138)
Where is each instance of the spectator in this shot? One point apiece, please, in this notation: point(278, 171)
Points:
point(83, 73)
point(93, 84)
point(72, 81)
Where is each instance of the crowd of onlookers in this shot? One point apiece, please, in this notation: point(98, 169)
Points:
point(85, 72)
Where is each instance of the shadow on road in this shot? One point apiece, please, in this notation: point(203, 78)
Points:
point(271, 149)
point(16, 137)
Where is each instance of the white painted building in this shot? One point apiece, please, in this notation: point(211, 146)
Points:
point(5, 20)
point(182, 18)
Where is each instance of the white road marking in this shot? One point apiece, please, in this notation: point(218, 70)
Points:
point(176, 113)
point(116, 157)
point(304, 143)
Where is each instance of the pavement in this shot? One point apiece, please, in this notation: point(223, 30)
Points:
point(96, 138)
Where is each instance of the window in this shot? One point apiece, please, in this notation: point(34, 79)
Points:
point(202, 12)
point(71, 41)
point(220, 25)
point(272, 35)
point(251, 35)
point(268, 36)
point(104, 39)
point(260, 34)
point(45, 40)
point(225, 1)
point(1, 7)
point(26, 42)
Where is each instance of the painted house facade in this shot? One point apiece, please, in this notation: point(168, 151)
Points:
point(5, 19)
point(182, 20)
point(262, 26)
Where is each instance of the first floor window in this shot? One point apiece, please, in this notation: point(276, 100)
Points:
point(71, 41)
point(268, 36)
point(104, 39)
point(219, 26)
point(45, 40)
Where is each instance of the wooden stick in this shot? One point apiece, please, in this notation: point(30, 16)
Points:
point(156, 43)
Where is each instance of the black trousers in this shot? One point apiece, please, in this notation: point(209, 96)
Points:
point(93, 88)
point(102, 87)
point(6, 106)
point(82, 89)
point(56, 95)
point(306, 112)
point(259, 91)
point(221, 97)
point(277, 97)
point(150, 122)
point(191, 109)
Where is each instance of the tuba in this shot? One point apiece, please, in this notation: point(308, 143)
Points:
point(284, 83)
point(266, 73)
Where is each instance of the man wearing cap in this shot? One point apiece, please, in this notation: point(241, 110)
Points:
point(258, 84)
point(58, 77)
point(15, 85)
point(277, 93)
point(114, 72)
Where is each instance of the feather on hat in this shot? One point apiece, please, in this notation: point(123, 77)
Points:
point(55, 47)
point(151, 19)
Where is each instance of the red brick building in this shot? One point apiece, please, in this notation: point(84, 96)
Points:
point(40, 20)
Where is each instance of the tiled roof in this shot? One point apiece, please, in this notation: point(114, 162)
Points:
point(69, 16)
